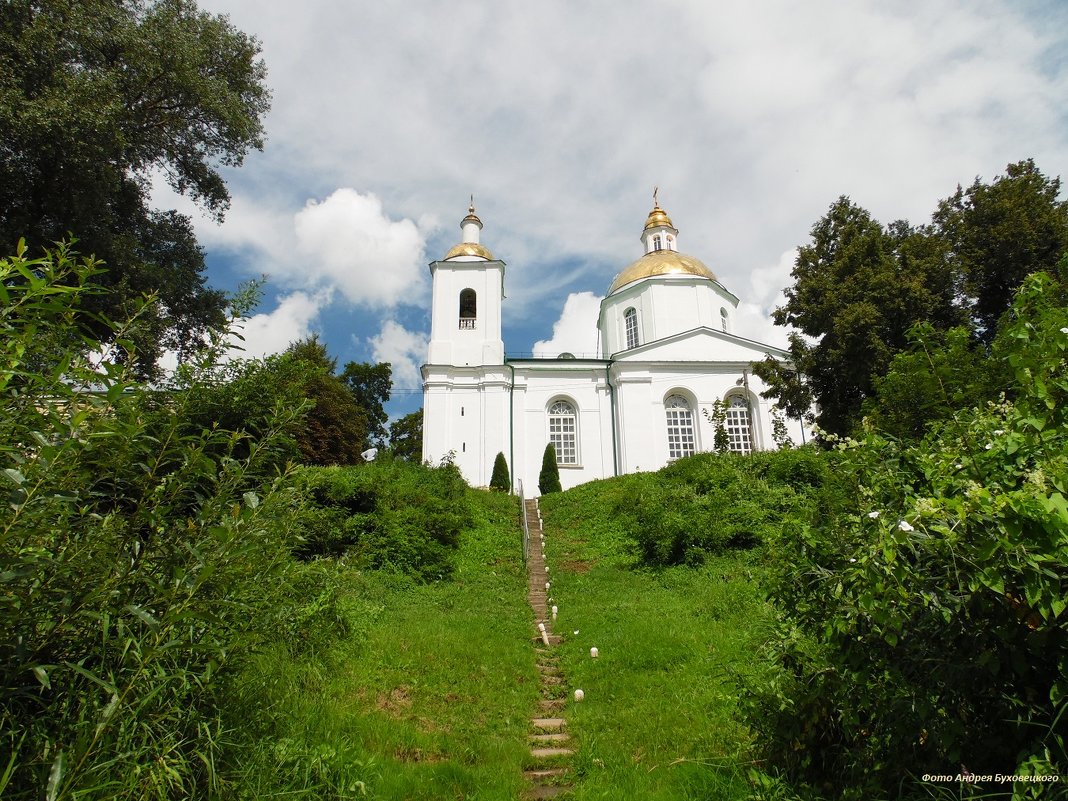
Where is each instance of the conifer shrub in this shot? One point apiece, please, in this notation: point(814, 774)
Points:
point(924, 625)
point(549, 477)
point(386, 515)
point(500, 480)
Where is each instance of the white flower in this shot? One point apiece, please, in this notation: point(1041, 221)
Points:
point(999, 431)
point(960, 466)
point(904, 526)
point(852, 560)
point(1064, 330)
point(989, 445)
point(873, 515)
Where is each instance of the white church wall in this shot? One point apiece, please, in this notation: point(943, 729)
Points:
point(465, 418)
point(476, 405)
point(482, 343)
point(582, 387)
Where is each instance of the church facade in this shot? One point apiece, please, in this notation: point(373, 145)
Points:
point(666, 353)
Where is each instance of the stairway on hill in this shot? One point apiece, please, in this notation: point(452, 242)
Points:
point(550, 753)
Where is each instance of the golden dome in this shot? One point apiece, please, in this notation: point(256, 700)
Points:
point(657, 217)
point(661, 262)
point(469, 249)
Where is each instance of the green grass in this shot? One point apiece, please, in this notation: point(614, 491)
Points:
point(658, 720)
point(430, 695)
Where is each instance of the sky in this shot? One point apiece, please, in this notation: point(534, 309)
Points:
point(560, 119)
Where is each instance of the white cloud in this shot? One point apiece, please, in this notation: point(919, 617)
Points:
point(765, 294)
point(272, 332)
point(348, 242)
point(405, 350)
point(576, 330)
point(752, 118)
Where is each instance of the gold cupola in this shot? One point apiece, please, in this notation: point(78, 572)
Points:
point(471, 225)
point(660, 238)
point(658, 218)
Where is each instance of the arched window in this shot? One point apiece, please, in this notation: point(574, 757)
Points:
point(679, 427)
point(468, 308)
point(630, 323)
point(723, 318)
point(739, 431)
point(657, 242)
point(562, 432)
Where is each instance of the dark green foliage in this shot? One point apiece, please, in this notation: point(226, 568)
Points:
point(924, 623)
point(860, 287)
point(406, 437)
point(998, 234)
point(940, 373)
point(370, 385)
point(549, 477)
point(500, 480)
point(335, 426)
point(246, 393)
point(721, 441)
point(141, 563)
point(95, 95)
point(386, 515)
point(711, 501)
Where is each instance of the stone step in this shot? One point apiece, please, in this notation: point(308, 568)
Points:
point(544, 774)
point(548, 724)
point(550, 753)
point(555, 737)
point(552, 704)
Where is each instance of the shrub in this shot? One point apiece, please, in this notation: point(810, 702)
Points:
point(386, 514)
point(925, 626)
point(549, 477)
point(140, 563)
point(500, 480)
point(712, 501)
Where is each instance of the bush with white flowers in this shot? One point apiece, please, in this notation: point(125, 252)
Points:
point(923, 623)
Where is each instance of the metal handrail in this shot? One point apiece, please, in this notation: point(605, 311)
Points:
point(526, 525)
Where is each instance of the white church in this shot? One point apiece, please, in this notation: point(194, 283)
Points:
point(666, 353)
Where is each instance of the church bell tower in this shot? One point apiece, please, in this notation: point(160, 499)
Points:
point(465, 386)
point(468, 287)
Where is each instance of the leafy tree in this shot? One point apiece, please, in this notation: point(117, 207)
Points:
point(371, 384)
point(549, 477)
point(858, 287)
point(780, 434)
point(335, 427)
point(246, 393)
point(406, 437)
point(998, 234)
point(721, 442)
point(96, 96)
point(940, 373)
point(923, 620)
point(500, 480)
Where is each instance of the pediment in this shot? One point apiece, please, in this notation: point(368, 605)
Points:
point(702, 345)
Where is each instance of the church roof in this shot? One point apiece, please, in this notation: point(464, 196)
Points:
point(661, 262)
point(469, 249)
point(470, 245)
point(658, 218)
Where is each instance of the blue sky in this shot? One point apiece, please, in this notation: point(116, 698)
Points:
point(560, 118)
